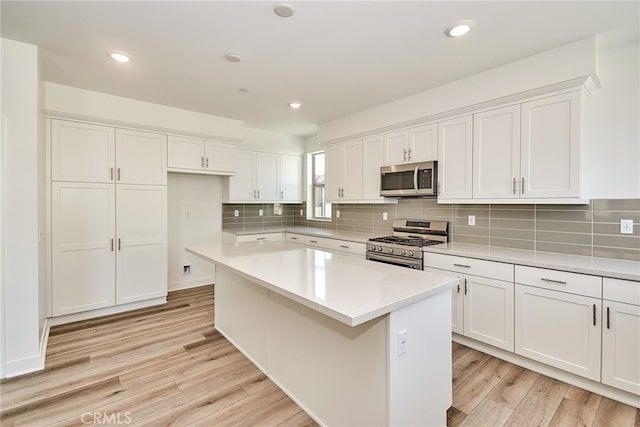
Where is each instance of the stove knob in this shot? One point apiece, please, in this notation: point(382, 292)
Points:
point(372, 247)
point(390, 250)
point(403, 252)
point(379, 248)
point(410, 253)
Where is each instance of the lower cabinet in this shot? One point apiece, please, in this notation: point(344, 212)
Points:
point(109, 245)
point(333, 245)
point(271, 237)
point(482, 307)
point(621, 335)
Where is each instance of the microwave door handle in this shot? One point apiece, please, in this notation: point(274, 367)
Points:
point(415, 178)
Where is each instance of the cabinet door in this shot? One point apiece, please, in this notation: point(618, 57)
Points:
point(242, 184)
point(353, 171)
point(141, 246)
point(423, 143)
point(141, 157)
point(82, 152)
point(621, 346)
point(496, 153)
point(372, 160)
point(395, 147)
point(559, 329)
point(219, 157)
point(267, 177)
point(488, 311)
point(82, 244)
point(454, 158)
point(550, 160)
point(334, 172)
point(290, 177)
point(185, 153)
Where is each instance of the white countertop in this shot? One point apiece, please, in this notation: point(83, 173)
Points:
point(351, 236)
point(620, 269)
point(349, 289)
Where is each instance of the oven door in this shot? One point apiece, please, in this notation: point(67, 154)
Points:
point(412, 179)
point(414, 263)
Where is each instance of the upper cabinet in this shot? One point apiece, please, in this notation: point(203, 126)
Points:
point(344, 172)
point(194, 155)
point(455, 158)
point(265, 178)
point(82, 152)
point(411, 145)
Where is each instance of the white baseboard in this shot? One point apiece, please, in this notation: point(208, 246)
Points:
point(44, 340)
point(75, 317)
point(191, 283)
point(558, 374)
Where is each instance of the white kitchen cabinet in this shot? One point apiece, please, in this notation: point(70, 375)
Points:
point(411, 145)
point(266, 177)
point(621, 334)
point(83, 242)
point(331, 244)
point(141, 157)
point(141, 252)
point(260, 237)
point(455, 151)
point(241, 187)
point(344, 172)
point(82, 152)
point(195, 155)
point(372, 159)
point(482, 305)
point(550, 153)
point(559, 319)
point(496, 153)
point(290, 178)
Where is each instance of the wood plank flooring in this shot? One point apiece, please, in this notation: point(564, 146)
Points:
point(167, 366)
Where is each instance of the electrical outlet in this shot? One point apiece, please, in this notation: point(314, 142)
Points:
point(187, 213)
point(301, 212)
point(261, 212)
point(186, 270)
point(236, 212)
point(472, 220)
point(337, 214)
point(402, 342)
point(626, 226)
point(385, 216)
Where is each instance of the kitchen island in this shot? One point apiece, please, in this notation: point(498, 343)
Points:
point(353, 342)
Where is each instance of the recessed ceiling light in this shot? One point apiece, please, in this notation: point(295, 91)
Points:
point(284, 10)
point(120, 57)
point(232, 57)
point(295, 105)
point(244, 90)
point(460, 28)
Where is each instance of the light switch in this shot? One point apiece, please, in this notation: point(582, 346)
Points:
point(626, 226)
point(402, 342)
point(337, 214)
point(236, 212)
point(385, 216)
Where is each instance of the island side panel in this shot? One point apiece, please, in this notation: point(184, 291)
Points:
point(420, 388)
point(242, 314)
point(337, 373)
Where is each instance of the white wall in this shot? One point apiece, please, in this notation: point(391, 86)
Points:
point(272, 141)
point(553, 66)
point(122, 111)
point(611, 139)
point(20, 308)
point(201, 197)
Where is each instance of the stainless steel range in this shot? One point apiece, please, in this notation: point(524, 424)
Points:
point(404, 247)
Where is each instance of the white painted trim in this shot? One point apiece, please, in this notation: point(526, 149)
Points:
point(550, 200)
point(589, 385)
point(586, 84)
point(192, 283)
point(44, 341)
point(91, 314)
point(200, 172)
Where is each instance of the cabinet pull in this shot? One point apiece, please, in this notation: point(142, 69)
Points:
point(111, 245)
point(202, 162)
point(118, 174)
point(514, 185)
point(558, 282)
point(458, 287)
point(462, 265)
point(313, 241)
point(608, 319)
point(465, 286)
point(207, 162)
point(404, 156)
point(111, 174)
point(258, 194)
point(293, 238)
point(594, 315)
point(119, 244)
point(261, 238)
point(344, 246)
point(409, 153)
point(281, 194)
point(522, 189)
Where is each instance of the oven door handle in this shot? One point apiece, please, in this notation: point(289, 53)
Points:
point(415, 178)
point(414, 263)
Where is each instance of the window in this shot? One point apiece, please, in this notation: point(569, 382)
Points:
point(320, 209)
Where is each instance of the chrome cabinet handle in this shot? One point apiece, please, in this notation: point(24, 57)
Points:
point(119, 174)
point(522, 189)
point(557, 282)
point(344, 246)
point(409, 153)
point(281, 194)
point(258, 194)
point(293, 238)
point(514, 185)
point(202, 162)
point(111, 174)
point(261, 238)
point(111, 245)
point(608, 319)
point(404, 156)
point(313, 241)
point(119, 244)
point(594, 315)
point(207, 162)
point(458, 287)
point(462, 265)
point(465, 286)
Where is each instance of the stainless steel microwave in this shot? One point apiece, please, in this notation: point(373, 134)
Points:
point(408, 179)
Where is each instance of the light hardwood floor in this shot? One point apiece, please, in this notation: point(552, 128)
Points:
point(167, 366)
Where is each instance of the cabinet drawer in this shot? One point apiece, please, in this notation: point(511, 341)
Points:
point(346, 246)
point(296, 238)
point(574, 283)
point(625, 291)
point(318, 242)
point(477, 267)
point(272, 237)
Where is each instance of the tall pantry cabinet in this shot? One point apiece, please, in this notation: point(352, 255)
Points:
point(108, 216)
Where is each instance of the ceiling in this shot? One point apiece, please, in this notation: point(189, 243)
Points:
point(337, 58)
